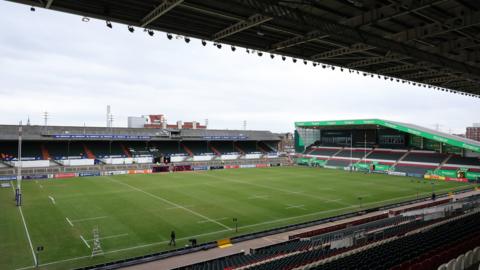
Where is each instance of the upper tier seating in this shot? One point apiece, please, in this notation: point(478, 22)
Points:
point(105, 149)
point(198, 148)
point(323, 151)
point(62, 150)
point(425, 157)
point(30, 150)
point(168, 148)
point(224, 147)
point(385, 155)
point(416, 169)
point(354, 153)
point(464, 161)
point(247, 147)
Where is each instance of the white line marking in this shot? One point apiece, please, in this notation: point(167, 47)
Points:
point(69, 222)
point(52, 199)
point(170, 202)
point(177, 207)
point(335, 200)
point(111, 236)
point(84, 241)
point(217, 219)
point(259, 197)
point(124, 249)
point(87, 219)
point(26, 229)
point(301, 206)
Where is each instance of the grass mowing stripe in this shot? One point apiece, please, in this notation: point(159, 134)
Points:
point(170, 202)
point(26, 229)
point(301, 193)
point(330, 210)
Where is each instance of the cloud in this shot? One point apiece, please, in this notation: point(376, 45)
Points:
point(51, 61)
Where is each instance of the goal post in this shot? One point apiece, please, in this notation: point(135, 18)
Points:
point(18, 189)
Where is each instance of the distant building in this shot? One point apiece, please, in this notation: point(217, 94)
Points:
point(159, 121)
point(473, 132)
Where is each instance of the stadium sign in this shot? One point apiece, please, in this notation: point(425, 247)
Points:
point(225, 138)
point(100, 136)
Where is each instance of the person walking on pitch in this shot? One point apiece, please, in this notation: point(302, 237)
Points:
point(172, 239)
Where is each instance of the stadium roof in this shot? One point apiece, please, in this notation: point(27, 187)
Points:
point(426, 42)
point(404, 127)
point(42, 133)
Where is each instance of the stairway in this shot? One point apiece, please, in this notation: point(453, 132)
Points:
point(45, 154)
point(215, 151)
point(444, 161)
point(401, 158)
point(262, 149)
point(88, 152)
point(126, 152)
point(240, 150)
point(190, 153)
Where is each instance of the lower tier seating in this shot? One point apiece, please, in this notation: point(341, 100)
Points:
point(414, 169)
point(339, 162)
point(425, 157)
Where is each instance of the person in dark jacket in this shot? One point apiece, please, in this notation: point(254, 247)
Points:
point(172, 239)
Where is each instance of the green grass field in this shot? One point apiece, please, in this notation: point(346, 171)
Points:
point(135, 213)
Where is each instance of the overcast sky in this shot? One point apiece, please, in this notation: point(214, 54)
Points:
point(51, 61)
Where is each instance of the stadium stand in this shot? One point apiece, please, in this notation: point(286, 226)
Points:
point(410, 240)
point(246, 146)
point(413, 169)
point(106, 149)
point(435, 158)
point(339, 162)
point(381, 154)
point(197, 148)
point(323, 151)
point(354, 153)
point(459, 160)
point(224, 147)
